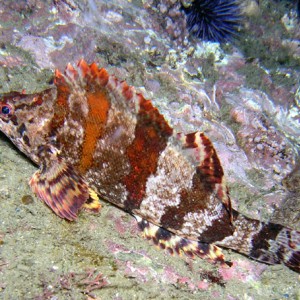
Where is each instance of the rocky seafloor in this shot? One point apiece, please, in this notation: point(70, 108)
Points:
point(244, 95)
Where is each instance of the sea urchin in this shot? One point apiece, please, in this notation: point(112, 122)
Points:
point(213, 20)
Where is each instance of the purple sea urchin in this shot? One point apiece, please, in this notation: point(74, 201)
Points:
point(213, 20)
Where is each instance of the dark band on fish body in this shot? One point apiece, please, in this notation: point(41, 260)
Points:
point(219, 229)
point(152, 133)
point(195, 200)
point(260, 240)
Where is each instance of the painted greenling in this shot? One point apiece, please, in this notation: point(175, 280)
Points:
point(94, 136)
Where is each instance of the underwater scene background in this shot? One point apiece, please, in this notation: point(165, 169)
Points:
point(239, 84)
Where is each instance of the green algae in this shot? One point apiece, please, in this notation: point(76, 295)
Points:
point(264, 49)
point(254, 77)
point(94, 258)
point(208, 68)
point(26, 75)
point(227, 118)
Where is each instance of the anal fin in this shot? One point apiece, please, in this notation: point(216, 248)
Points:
point(61, 187)
point(175, 244)
point(92, 203)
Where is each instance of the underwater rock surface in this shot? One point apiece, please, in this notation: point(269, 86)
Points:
point(246, 100)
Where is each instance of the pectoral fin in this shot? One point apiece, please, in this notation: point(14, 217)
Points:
point(61, 187)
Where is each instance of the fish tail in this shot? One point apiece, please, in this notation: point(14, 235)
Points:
point(266, 242)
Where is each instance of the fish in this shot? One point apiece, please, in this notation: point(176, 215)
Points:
point(94, 137)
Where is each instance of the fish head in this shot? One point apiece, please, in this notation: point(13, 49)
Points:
point(24, 119)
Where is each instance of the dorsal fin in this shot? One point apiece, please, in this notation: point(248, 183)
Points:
point(203, 155)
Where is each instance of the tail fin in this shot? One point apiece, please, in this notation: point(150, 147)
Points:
point(285, 248)
point(266, 242)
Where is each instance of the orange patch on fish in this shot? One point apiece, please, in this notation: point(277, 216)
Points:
point(97, 116)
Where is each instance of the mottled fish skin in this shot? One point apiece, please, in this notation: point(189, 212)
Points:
point(92, 134)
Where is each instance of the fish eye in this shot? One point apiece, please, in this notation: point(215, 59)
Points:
point(6, 110)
